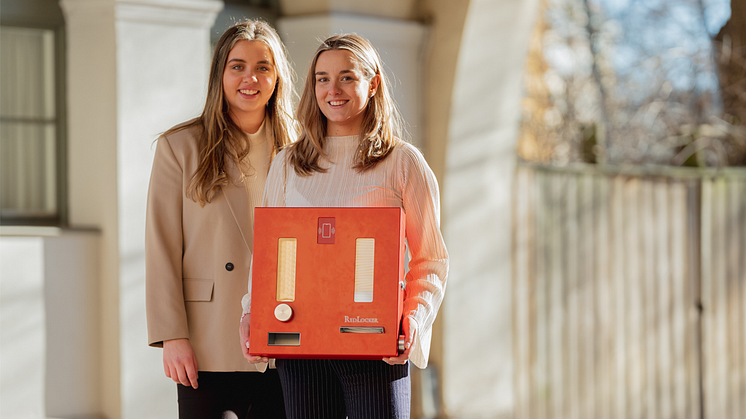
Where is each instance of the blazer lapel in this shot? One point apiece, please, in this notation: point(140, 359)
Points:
point(238, 203)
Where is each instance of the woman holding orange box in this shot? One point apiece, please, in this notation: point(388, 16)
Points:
point(350, 154)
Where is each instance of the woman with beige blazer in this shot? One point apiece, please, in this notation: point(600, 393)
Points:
point(208, 175)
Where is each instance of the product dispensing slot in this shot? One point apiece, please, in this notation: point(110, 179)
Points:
point(283, 339)
point(287, 249)
point(364, 262)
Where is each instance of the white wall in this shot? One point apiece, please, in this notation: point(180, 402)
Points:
point(22, 328)
point(399, 43)
point(71, 267)
point(49, 340)
point(389, 9)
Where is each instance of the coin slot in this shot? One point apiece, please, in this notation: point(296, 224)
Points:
point(360, 329)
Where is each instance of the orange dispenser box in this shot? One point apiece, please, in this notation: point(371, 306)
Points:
point(327, 282)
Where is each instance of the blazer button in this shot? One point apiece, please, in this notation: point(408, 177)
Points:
point(228, 266)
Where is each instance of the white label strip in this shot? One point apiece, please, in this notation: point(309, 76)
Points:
point(286, 254)
point(364, 261)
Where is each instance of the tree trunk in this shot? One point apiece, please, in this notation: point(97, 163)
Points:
point(731, 61)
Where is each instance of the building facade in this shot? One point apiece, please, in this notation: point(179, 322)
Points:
point(73, 337)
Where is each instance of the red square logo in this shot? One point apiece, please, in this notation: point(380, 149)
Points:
point(326, 231)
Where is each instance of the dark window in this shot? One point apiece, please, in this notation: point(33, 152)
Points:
point(32, 117)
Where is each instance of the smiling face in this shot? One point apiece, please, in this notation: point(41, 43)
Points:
point(342, 91)
point(249, 80)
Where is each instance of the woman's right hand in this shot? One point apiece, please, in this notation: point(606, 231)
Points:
point(243, 331)
point(179, 362)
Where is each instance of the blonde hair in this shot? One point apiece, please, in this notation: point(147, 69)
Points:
point(381, 128)
point(219, 136)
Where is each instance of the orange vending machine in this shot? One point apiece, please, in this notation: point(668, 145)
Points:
point(327, 282)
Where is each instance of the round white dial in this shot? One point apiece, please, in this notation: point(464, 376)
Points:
point(283, 312)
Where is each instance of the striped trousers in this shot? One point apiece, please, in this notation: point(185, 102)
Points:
point(339, 389)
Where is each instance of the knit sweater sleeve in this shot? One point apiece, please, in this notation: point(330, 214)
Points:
point(428, 265)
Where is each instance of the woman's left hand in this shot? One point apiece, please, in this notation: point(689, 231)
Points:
point(244, 332)
point(409, 326)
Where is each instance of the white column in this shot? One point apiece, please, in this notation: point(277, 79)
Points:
point(163, 57)
point(480, 160)
point(92, 164)
point(399, 43)
point(71, 291)
point(136, 68)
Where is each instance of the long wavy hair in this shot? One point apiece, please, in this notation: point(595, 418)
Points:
point(381, 128)
point(219, 136)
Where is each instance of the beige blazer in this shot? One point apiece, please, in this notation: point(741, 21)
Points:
point(196, 259)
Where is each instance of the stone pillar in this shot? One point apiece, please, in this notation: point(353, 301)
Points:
point(92, 162)
point(477, 203)
point(135, 68)
point(163, 58)
point(399, 43)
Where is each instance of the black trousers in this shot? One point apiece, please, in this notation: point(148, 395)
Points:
point(248, 395)
point(335, 389)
